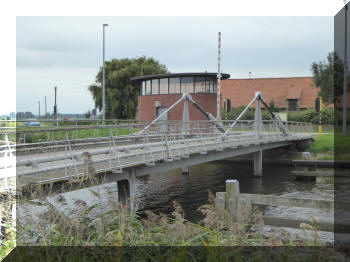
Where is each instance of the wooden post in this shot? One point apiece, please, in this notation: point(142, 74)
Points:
point(220, 202)
point(232, 198)
point(247, 202)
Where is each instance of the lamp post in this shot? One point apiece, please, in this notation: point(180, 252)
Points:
point(103, 78)
point(345, 70)
point(218, 98)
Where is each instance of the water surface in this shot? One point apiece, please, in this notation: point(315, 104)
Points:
point(156, 192)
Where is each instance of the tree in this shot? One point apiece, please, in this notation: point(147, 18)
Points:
point(24, 115)
point(329, 76)
point(88, 114)
point(93, 112)
point(121, 94)
point(273, 107)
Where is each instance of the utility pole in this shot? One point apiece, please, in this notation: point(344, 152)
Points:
point(218, 105)
point(45, 109)
point(345, 93)
point(39, 109)
point(103, 79)
point(55, 106)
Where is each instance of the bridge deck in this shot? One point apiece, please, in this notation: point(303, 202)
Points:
point(54, 166)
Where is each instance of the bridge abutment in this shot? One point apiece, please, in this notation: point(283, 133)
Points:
point(258, 163)
point(303, 145)
point(127, 186)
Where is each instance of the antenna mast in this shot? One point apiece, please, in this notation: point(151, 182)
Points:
point(218, 104)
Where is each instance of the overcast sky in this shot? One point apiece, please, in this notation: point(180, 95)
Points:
point(67, 51)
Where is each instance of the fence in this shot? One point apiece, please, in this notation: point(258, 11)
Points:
point(82, 129)
point(232, 200)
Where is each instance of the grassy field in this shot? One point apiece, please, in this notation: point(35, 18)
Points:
point(78, 134)
point(330, 147)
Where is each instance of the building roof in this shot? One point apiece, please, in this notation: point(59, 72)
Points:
point(241, 91)
point(148, 77)
point(294, 93)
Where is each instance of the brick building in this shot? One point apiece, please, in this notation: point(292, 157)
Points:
point(288, 93)
point(159, 92)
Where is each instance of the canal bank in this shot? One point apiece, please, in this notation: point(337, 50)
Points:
point(157, 192)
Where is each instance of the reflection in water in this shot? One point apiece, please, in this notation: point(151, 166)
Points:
point(156, 192)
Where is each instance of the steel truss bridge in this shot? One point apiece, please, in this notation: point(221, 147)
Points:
point(132, 149)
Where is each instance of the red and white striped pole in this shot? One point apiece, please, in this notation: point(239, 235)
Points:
point(218, 105)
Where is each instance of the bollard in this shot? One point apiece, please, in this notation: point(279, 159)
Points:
point(306, 155)
point(232, 198)
point(185, 171)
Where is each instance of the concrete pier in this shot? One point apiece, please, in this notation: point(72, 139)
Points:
point(258, 163)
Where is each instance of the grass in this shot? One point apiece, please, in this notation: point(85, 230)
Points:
point(330, 147)
point(323, 144)
point(78, 134)
point(121, 227)
point(8, 245)
point(9, 241)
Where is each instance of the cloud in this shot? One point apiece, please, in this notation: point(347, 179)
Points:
point(69, 49)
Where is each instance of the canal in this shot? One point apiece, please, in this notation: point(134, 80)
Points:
point(156, 192)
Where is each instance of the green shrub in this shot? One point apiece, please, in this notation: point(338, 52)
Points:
point(310, 115)
point(248, 115)
point(328, 115)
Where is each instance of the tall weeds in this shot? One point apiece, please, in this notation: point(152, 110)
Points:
point(122, 226)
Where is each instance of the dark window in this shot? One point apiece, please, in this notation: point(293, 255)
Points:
point(209, 85)
point(174, 85)
point(292, 104)
point(199, 85)
point(215, 89)
point(227, 105)
point(186, 84)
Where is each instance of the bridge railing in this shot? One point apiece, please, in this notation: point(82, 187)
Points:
point(7, 164)
point(299, 127)
point(45, 134)
point(167, 140)
point(67, 122)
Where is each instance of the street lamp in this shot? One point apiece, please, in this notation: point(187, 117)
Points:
point(345, 70)
point(103, 78)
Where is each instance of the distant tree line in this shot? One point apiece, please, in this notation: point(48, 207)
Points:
point(30, 115)
point(24, 115)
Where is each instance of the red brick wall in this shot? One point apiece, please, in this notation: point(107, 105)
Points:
point(147, 109)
